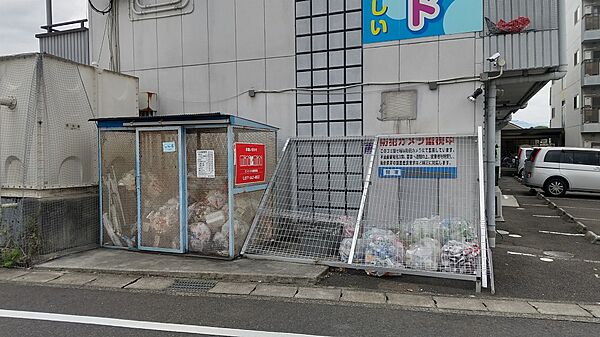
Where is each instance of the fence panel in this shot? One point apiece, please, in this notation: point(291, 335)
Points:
point(400, 204)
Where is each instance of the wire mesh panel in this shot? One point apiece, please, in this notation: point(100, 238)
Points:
point(313, 200)
point(422, 207)
point(400, 204)
point(159, 189)
point(208, 215)
point(246, 204)
point(119, 200)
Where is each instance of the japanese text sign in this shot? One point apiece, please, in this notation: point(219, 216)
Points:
point(389, 20)
point(417, 157)
point(250, 163)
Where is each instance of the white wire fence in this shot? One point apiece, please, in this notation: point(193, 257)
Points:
point(401, 204)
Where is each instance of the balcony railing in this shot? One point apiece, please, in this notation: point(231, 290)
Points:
point(590, 73)
point(591, 22)
point(591, 27)
point(591, 115)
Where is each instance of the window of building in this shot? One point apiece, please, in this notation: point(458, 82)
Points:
point(553, 113)
point(576, 58)
point(576, 102)
point(576, 16)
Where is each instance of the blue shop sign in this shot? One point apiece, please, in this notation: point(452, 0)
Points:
point(390, 20)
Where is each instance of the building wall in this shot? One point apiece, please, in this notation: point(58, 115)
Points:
point(207, 61)
point(567, 116)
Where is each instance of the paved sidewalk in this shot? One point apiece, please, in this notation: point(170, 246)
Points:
point(588, 312)
point(115, 261)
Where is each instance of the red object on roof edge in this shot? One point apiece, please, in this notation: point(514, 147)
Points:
point(514, 26)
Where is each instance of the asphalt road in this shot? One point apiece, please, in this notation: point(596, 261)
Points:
point(519, 270)
point(254, 314)
point(585, 207)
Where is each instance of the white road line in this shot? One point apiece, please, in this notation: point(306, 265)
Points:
point(587, 219)
point(521, 254)
point(141, 325)
point(546, 216)
point(575, 207)
point(560, 233)
point(535, 205)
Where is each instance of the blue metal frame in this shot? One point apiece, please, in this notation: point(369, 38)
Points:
point(252, 188)
point(230, 185)
point(100, 189)
point(183, 196)
point(238, 121)
point(181, 186)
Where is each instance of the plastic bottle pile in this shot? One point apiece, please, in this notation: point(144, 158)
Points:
point(431, 244)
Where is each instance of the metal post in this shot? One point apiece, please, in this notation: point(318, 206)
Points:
point(49, 15)
point(363, 200)
point(490, 161)
point(482, 223)
point(230, 186)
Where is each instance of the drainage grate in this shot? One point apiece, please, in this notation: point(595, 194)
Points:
point(192, 286)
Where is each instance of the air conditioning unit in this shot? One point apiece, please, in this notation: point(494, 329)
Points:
point(587, 102)
point(588, 55)
point(587, 10)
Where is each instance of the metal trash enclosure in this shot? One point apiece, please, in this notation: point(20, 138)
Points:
point(398, 204)
point(182, 183)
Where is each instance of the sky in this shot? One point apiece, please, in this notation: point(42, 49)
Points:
point(20, 20)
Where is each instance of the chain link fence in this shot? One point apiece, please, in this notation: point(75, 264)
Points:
point(401, 204)
point(48, 160)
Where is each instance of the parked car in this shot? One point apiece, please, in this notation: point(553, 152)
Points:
point(522, 155)
point(561, 169)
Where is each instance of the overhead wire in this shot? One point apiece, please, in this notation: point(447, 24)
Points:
point(103, 11)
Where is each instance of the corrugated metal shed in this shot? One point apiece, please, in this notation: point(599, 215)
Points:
point(536, 47)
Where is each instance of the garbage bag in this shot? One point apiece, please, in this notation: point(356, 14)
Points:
point(459, 257)
point(383, 248)
point(199, 238)
point(424, 255)
point(359, 250)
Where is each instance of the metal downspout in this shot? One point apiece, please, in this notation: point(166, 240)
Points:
point(490, 161)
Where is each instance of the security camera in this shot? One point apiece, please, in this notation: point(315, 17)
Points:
point(494, 57)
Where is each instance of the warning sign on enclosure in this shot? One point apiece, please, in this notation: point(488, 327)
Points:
point(417, 157)
point(249, 163)
point(205, 163)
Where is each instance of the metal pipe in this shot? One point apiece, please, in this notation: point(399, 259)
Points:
point(49, 15)
point(10, 102)
point(490, 160)
point(158, 10)
point(562, 32)
point(160, 4)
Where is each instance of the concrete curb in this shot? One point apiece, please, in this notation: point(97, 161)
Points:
point(490, 306)
point(568, 217)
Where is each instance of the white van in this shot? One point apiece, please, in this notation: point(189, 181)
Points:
point(561, 169)
point(524, 153)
